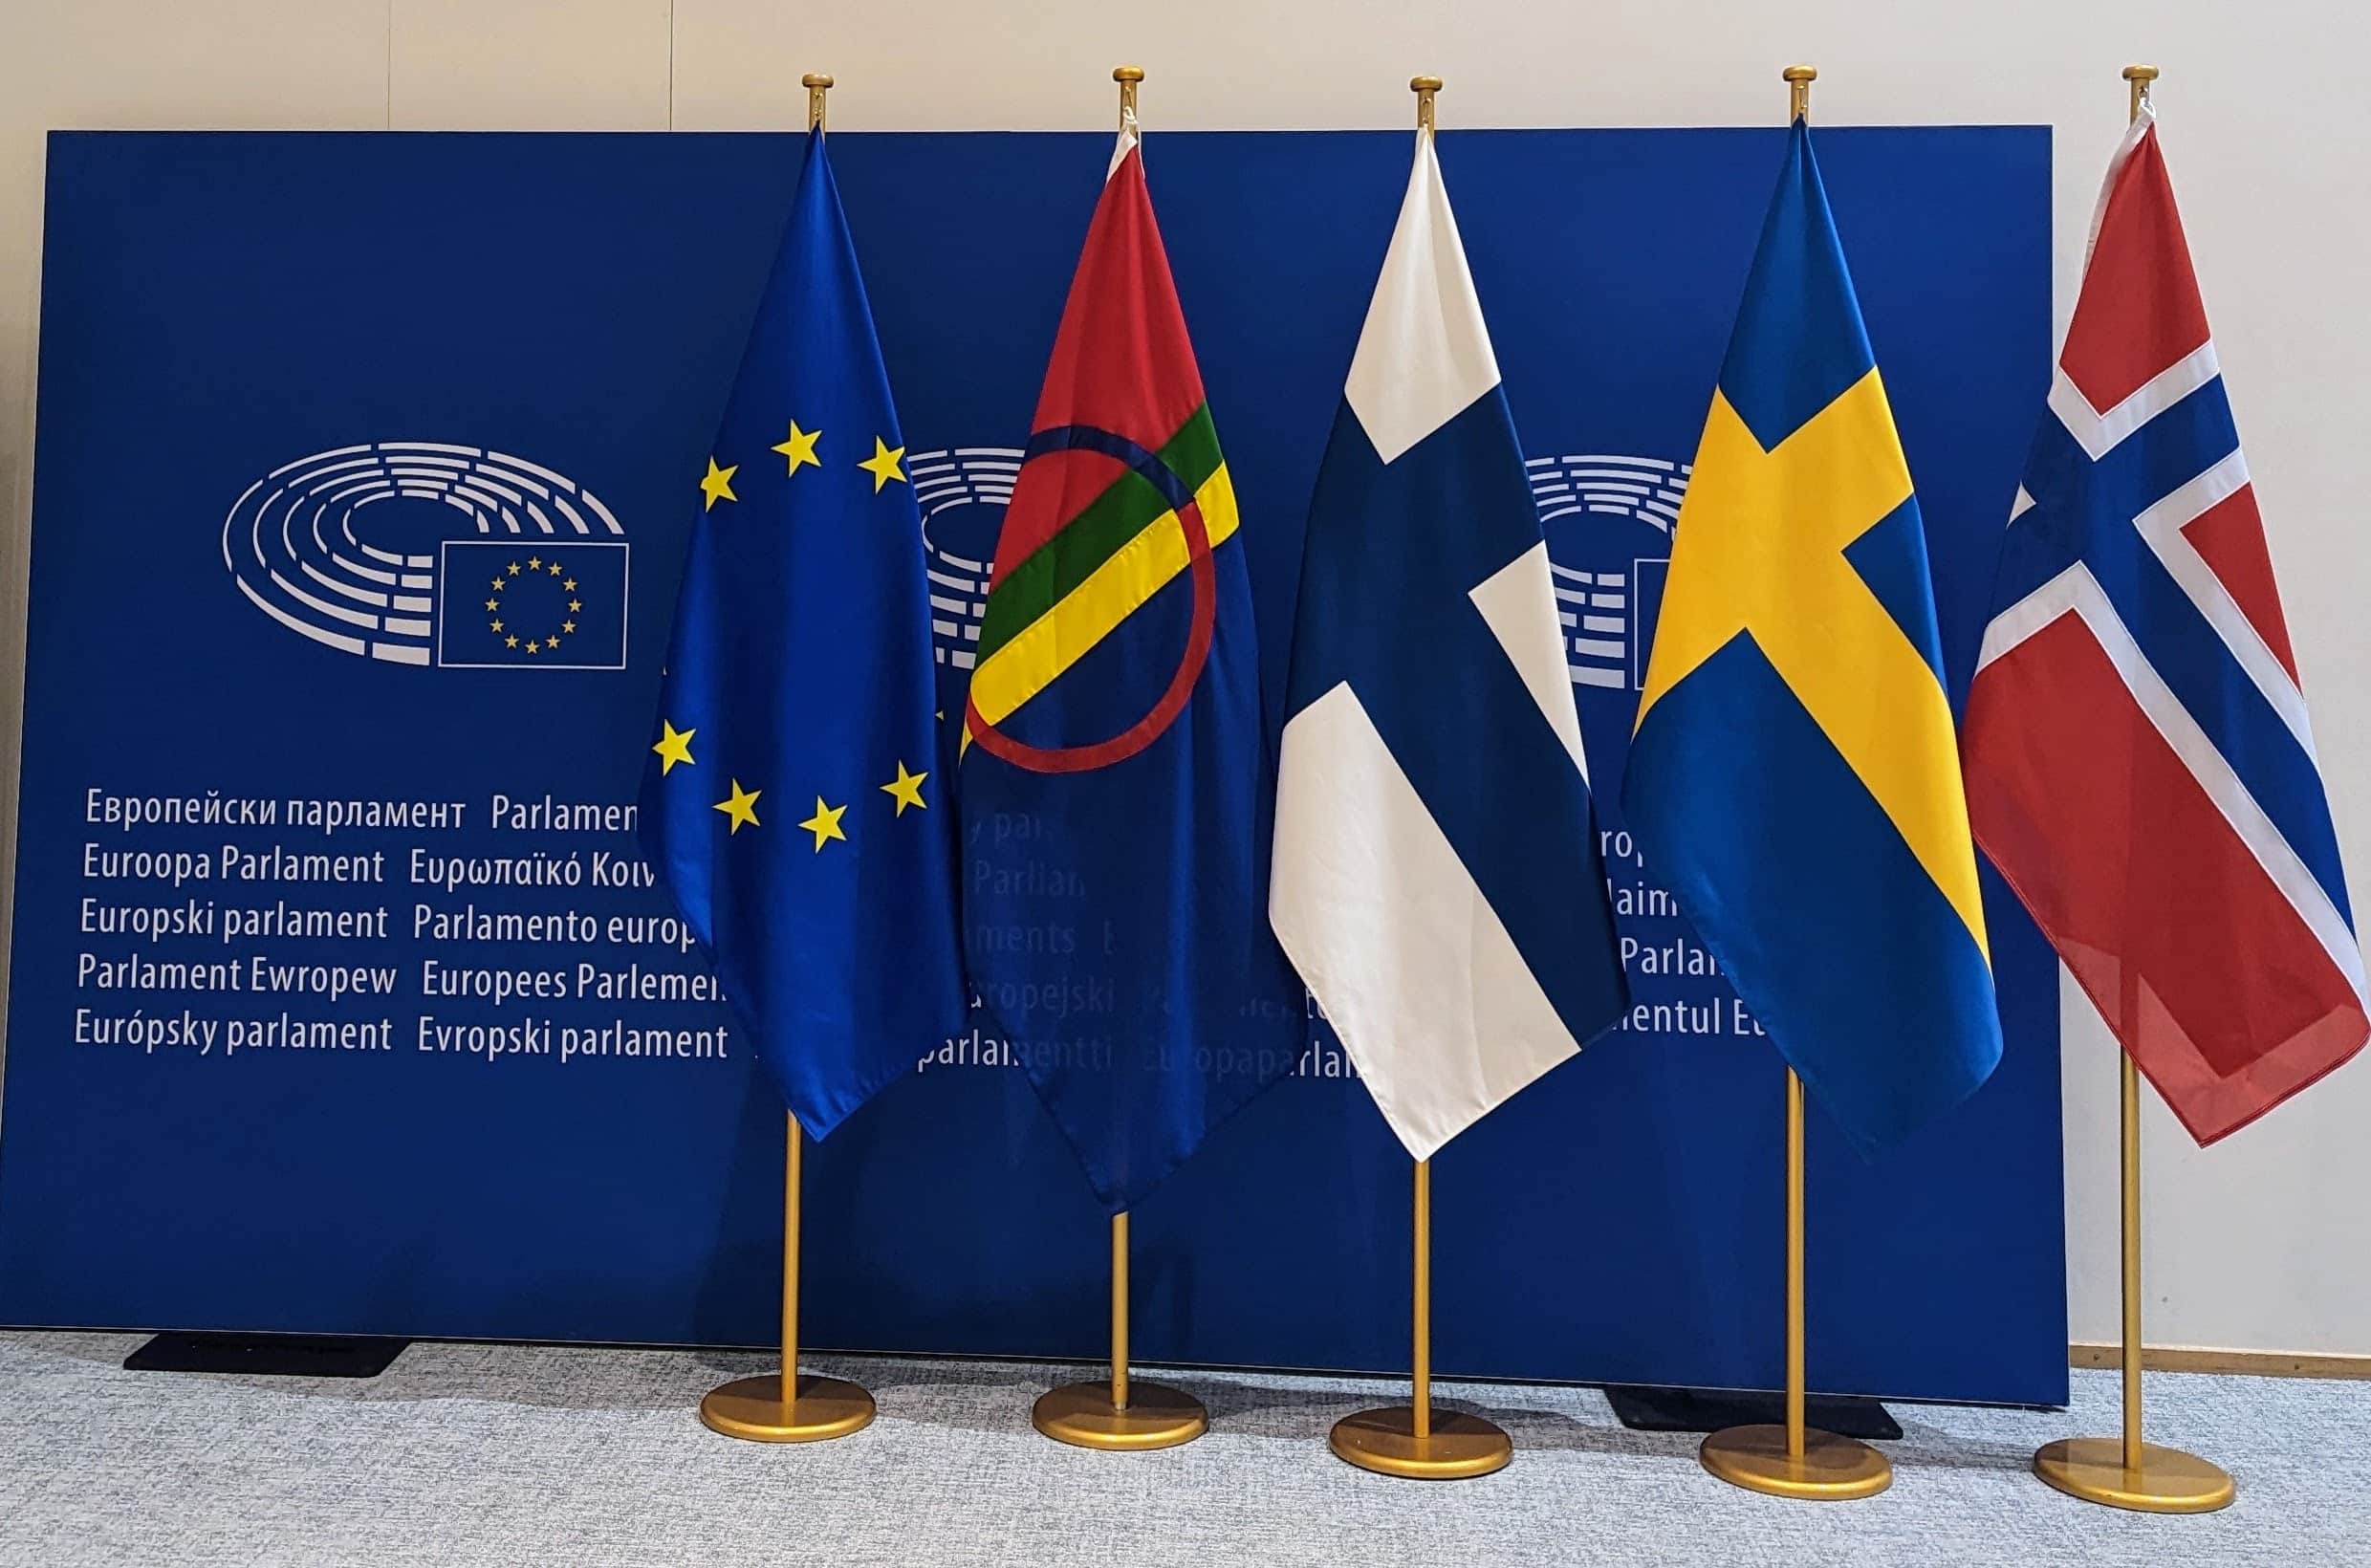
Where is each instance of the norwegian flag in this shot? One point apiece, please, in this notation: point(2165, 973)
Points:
point(2138, 760)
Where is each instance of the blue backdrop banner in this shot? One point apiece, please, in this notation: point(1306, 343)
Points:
point(342, 1000)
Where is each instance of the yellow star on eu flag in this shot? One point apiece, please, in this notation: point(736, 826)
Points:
point(882, 465)
point(742, 808)
point(717, 485)
point(824, 824)
point(800, 447)
point(674, 746)
point(905, 789)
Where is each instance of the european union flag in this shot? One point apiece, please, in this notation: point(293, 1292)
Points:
point(1794, 778)
point(792, 802)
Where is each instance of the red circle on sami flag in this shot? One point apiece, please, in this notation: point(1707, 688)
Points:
point(1173, 489)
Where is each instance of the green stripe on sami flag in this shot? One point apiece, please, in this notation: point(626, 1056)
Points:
point(1103, 525)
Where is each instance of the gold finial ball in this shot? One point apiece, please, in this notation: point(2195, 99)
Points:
point(815, 79)
point(1127, 73)
point(1423, 84)
point(2140, 73)
point(1800, 72)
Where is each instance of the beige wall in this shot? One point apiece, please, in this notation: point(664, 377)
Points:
point(2266, 1242)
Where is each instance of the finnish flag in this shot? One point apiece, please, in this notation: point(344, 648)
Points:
point(1437, 881)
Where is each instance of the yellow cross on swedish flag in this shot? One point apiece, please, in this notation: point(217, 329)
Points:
point(1795, 775)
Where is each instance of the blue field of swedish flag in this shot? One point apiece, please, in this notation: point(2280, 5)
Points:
point(1795, 776)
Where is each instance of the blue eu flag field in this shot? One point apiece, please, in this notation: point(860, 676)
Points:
point(792, 801)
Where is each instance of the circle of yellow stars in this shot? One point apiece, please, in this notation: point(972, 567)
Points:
point(798, 451)
point(537, 566)
point(740, 804)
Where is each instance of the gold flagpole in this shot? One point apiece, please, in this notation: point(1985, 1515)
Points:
point(1412, 1440)
point(1120, 1310)
point(1795, 1460)
point(2127, 1471)
point(785, 1407)
point(1420, 1361)
point(1123, 1414)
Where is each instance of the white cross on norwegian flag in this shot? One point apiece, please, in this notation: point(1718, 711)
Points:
point(2139, 765)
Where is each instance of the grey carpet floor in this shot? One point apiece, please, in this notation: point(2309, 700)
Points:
point(467, 1454)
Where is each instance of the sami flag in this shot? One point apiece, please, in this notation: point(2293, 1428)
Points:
point(1793, 779)
point(1437, 878)
point(792, 801)
point(2140, 766)
point(1114, 780)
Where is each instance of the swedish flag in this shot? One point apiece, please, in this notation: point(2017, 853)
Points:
point(792, 800)
point(1794, 777)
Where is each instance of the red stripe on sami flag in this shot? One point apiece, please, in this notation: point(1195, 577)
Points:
point(2197, 961)
point(2138, 310)
point(2230, 535)
point(1122, 361)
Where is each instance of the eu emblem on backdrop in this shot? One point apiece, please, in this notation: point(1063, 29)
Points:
point(1113, 791)
point(792, 799)
point(1794, 776)
point(517, 603)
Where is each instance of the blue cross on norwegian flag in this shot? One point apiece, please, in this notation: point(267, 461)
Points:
point(2138, 760)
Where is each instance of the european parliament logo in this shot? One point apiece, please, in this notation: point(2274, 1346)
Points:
point(962, 491)
point(427, 552)
point(1608, 520)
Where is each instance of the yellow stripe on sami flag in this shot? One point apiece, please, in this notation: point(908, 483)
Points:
point(1037, 656)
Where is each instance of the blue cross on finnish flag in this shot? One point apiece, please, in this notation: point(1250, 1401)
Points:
point(1437, 881)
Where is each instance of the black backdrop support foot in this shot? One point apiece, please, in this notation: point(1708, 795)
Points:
point(1646, 1410)
point(268, 1354)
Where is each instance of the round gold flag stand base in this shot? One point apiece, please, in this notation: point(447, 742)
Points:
point(1082, 1414)
point(752, 1408)
point(1832, 1468)
point(1457, 1449)
point(2168, 1480)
